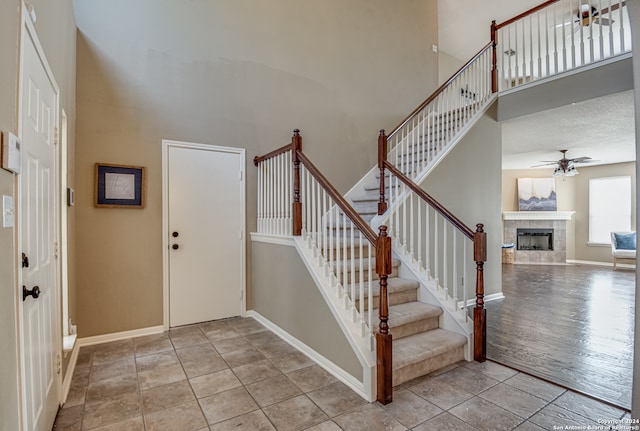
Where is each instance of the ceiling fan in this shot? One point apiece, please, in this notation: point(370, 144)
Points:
point(588, 15)
point(565, 166)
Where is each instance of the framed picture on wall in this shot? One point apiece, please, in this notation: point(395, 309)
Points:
point(537, 194)
point(119, 186)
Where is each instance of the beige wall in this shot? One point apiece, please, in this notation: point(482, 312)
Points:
point(239, 74)
point(447, 66)
point(56, 30)
point(472, 170)
point(285, 293)
point(565, 196)
point(573, 195)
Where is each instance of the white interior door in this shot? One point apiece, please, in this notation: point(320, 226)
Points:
point(37, 238)
point(205, 196)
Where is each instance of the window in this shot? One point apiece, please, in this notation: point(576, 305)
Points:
point(609, 207)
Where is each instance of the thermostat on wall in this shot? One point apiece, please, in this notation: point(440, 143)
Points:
point(10, 152)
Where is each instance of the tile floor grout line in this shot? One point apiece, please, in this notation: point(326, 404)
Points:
point(273, 358)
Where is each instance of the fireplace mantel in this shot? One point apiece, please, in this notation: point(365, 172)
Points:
point(537, 215)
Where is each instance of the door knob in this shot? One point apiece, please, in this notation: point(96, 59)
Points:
point(175, 246)
point(35, 292)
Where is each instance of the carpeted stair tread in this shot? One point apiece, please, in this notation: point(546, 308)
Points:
point(403, 314)
point(364, 263)
point(394, 285)
point(420, 347)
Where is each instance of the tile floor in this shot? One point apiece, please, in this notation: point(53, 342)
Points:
point(235, 374)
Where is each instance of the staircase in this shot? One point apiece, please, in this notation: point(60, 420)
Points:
point(420, 345)
point(420, 256)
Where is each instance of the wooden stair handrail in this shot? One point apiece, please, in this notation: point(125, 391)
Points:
point(466, 230)
point(380, 242)
point(526, 13)
point(439, 90)
point(342, 203)
point(478, 238)
point(271, 154)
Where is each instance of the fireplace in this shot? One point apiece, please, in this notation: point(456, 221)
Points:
point(550, 243)
point(535, 239)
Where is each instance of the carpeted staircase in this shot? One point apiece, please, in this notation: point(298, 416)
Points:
point(420, 346)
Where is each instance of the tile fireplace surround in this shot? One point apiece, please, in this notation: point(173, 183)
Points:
point(556, 220)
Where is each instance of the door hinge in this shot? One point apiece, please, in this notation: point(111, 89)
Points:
point(240, 234)
point(240, 175)
point(59, 365)
point(55, 249)
point(55, 136)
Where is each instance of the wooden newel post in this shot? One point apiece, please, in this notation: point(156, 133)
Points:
point(479, 312)
point(296, 210)
point(494, 59)
point(382, 157)
point(384, 369)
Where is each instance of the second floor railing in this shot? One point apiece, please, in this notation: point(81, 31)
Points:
point(558, 36)
point(425, 134)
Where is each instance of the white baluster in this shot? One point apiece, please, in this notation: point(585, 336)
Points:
point(419, 236)
point(436, 252)
point(427, 252)
point(445, 260)
point(454, 271)
point(465, 294)
point(352, 296)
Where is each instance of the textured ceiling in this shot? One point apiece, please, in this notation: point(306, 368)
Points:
point(601, 128)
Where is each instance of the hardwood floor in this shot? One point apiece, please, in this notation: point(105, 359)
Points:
point(569, 324)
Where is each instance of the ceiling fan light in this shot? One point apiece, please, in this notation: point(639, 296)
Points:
point(557, 172)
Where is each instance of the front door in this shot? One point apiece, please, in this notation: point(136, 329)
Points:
point(37, 240)
point(205, 231)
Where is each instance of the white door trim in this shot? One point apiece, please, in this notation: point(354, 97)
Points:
point(28, 32)
point(166, 144)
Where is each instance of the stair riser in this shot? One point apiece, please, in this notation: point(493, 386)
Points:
point(395, 298)
point(413, 328)
point(348, 280)
point(355, 254)
point(427, 366)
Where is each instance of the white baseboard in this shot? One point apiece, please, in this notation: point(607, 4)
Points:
point(117, 336)
point(66, 384)
point(493, 297)
point(273, 239)
point(609, 264)
point(346, 378)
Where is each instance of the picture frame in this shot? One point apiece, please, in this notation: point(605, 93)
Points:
point(537, 194)
point(119, 186)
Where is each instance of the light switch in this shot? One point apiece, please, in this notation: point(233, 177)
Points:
point(7, 211)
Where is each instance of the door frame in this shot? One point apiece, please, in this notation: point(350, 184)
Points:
point(28, 32)
point(166, 145)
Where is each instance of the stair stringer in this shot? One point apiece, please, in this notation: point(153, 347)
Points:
point(452, 318)
point(359, 336)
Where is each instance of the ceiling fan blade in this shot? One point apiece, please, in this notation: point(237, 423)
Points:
point(545, 164)
point(582, 160)
point(613, 7)
point(603, 21)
